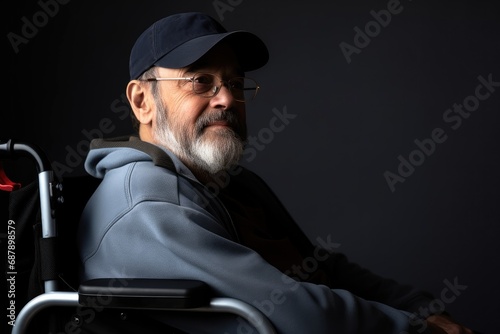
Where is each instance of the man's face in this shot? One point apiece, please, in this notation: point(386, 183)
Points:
point(207, 134)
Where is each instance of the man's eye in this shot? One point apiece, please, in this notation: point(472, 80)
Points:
point(237, 84)
point(203, 80)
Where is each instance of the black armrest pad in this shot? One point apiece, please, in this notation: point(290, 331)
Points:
point(144, 293)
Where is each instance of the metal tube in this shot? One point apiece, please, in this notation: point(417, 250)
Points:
point(37, 304)
point(242, 309)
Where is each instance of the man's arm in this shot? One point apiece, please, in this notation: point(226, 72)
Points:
point(158, 239)
point(348, 275)
point(364, 283)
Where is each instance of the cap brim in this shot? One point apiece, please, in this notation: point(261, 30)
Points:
point(250, 50)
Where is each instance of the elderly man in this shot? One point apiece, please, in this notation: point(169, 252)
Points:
point(153, 215)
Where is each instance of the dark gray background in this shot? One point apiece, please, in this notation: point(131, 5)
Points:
point(352, 121)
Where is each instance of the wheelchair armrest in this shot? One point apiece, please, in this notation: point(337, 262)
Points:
point(144, 293)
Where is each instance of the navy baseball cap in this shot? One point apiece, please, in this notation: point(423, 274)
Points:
point(179, 40)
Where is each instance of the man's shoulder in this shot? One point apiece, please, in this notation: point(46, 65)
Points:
point(141, 181)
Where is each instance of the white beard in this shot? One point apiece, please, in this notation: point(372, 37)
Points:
point(207, 150)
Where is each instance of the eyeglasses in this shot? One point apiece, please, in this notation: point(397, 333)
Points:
point(208, 85)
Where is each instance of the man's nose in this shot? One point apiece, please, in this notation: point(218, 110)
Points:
point(223, 98)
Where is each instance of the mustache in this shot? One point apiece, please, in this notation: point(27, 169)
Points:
point(219, 115)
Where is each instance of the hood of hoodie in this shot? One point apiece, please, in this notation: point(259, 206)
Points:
point(106, 155)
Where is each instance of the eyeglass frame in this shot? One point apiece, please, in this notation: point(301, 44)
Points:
point(218, 87)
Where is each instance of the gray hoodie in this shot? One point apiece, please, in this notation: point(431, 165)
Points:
point(153, 219)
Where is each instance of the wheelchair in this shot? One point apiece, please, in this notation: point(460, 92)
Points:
point(41, 284)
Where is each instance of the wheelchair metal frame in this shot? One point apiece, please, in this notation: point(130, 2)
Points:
point(128, 298)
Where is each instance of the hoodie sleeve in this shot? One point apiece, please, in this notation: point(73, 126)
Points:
point(343, 273)
point(364, 283)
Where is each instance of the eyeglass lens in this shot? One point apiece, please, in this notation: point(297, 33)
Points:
point(243, 89)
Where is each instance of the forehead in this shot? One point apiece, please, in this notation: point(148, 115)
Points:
point(220, 58)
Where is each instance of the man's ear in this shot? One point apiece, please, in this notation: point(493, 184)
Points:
point(141, 101)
